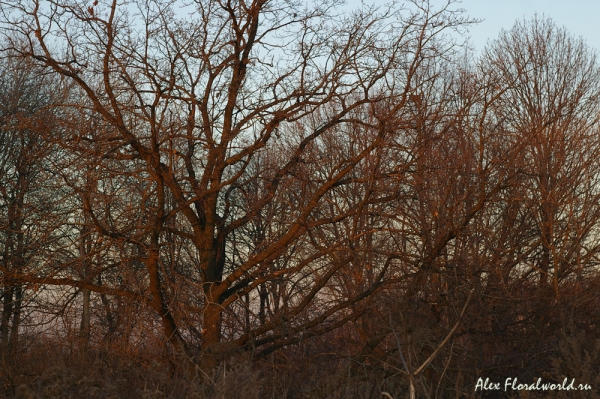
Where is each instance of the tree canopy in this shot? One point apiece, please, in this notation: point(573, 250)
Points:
point(242, 176)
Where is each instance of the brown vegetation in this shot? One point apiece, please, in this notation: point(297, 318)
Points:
point(266, 199)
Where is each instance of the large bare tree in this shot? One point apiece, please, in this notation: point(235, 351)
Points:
point(202, 107)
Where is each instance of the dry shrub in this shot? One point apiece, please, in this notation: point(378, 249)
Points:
point(578, 358)
point(316, 368)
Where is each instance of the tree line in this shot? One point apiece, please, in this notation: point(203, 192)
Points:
point(198, 181)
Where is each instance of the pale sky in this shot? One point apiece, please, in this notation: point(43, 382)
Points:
point(580, 17)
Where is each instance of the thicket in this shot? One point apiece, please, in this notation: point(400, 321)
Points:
point(272, 199)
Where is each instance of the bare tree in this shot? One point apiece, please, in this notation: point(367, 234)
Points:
point(553, 101)
point(186, 106)
point(30, 214)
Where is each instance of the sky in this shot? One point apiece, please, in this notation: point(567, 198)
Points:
point(580, 17)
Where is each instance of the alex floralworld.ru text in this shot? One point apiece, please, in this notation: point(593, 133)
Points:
point(512, 383)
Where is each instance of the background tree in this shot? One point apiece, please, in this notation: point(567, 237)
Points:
point(30, 203)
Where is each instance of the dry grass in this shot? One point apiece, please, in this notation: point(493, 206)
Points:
point(47, 370)
point(51, 371)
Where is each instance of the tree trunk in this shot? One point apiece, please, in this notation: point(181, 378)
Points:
point(85, 318)
point(211, 337)
point(7, 311)
point(14, 329)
